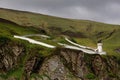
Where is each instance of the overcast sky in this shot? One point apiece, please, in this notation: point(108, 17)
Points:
point(107, 11)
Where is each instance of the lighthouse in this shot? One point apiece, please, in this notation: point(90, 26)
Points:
point(99, 47)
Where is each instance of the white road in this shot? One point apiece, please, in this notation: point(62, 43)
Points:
point(41, 35)
point(81, 48)
point(86, 49)
point(34, 41)
point(78, 45)
point(77, 48)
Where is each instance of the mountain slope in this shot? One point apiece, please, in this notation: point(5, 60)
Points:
point(82, 31)
point(20, 60)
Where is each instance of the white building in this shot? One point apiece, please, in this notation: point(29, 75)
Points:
point(99, 49)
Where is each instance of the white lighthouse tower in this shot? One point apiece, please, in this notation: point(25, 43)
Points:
point(99, 47)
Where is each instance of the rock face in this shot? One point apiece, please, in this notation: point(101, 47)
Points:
point(54, 69)
point(76, 65)
point(10, 55)
point(64, 64)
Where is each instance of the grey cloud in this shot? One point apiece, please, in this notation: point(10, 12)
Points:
point(97, 10)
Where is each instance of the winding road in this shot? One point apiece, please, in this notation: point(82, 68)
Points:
point(76, 47)
point(34, 41)
point(41, 35)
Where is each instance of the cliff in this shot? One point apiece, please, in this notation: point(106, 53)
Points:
point(19, 63)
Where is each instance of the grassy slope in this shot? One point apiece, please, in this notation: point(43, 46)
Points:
point(7, 30)
point(93, 31)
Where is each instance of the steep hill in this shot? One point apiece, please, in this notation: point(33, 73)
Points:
point(82, 31)
point(20, 60)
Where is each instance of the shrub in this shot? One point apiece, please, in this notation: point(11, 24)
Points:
point(90, 76)
point(3, 40)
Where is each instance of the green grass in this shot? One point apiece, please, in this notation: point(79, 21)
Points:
point(30, 23)
point(55, 26)
point(112, 43)
point(86, 42)
point(11, 29)
point(16, 72)
point(90, 76)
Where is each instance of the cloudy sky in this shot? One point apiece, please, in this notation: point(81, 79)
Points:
point(107, 11)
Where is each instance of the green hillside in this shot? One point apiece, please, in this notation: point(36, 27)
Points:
point(83, 32)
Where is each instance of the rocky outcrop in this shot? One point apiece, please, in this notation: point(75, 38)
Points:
point(75, 65)
point(10, 54)
point(64, 64)
point(74, 61)
point(54, 69)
